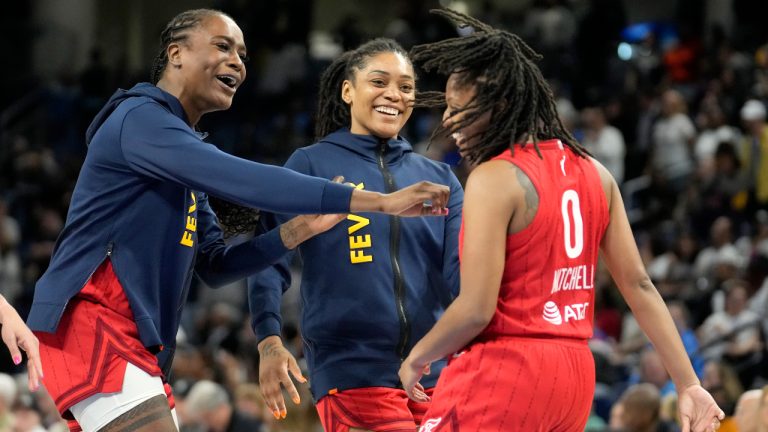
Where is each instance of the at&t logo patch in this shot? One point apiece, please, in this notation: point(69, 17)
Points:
point(573, 312)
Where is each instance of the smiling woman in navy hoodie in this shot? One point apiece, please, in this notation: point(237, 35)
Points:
point(372, 285)
point(139, 225)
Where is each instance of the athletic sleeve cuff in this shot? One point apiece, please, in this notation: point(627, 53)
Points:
point(268, 326)
point(272, 244)
point(336, 198)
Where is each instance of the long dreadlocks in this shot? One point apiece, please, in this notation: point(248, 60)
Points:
point(508, 82)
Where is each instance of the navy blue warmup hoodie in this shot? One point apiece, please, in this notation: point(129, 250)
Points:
point(373, 285)
point(141, 200)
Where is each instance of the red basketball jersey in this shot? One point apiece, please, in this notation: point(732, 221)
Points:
point(547, 289)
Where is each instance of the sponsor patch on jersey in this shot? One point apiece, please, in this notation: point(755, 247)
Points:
point(572, 312)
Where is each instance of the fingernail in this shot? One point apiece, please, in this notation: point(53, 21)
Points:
point(276, 414)
point(296, 400)
point(283, 413)
point(16, 360)
point(303, 380)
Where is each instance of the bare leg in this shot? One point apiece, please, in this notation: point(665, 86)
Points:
point(150, 416)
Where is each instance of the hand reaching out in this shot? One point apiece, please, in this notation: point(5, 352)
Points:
point(419, 199)
point(275, 363)
point(698, 411)
point(410, 375)
point(17, 336)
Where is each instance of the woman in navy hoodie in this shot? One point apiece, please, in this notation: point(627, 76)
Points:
point(139, 225)
point(372, 285)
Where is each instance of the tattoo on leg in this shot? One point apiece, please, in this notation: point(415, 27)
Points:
point(151, 415)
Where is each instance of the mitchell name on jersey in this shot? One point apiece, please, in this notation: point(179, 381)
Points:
point(573, 278)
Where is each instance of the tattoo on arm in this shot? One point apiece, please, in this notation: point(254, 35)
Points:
point(271, 349)
point(531, 196)
point(294, 232)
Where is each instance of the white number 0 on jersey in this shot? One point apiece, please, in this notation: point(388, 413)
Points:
point(573, 250)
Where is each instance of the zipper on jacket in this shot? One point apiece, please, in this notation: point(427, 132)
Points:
point(394, 246)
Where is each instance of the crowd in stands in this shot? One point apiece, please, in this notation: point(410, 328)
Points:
point(679, 120)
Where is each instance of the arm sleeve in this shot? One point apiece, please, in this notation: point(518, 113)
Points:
point(161, 146)
point(266, 288)
point(451, 240)
point(218, 264)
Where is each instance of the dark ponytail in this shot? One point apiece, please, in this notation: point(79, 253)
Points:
point(332, 112)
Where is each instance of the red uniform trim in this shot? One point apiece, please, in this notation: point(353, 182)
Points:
point(379, 409)
point(93, 344)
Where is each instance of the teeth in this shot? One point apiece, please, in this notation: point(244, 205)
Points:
point(387, 110)
point(228, 80)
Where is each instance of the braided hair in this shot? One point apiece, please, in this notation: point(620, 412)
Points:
point(234, 219)
point(177, 30)
point(332, 112)
point(502, 67)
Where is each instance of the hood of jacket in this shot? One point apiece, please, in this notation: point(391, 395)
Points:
point(139, 90)
point(370, 147)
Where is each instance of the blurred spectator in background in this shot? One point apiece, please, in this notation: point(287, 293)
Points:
point(249, 402)
point(26, 415)
point(10, 263)
point(8, 392)
point(755, 152)
point(604, 141)
point(747, 410)
point(733, 333)
point(638, 411)
point(209, 405)
point(673, 136)
point(723, 384)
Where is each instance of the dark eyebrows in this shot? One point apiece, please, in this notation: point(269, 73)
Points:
point(231, 41)
point(381, 72)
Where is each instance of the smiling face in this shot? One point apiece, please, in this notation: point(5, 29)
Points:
point(458, 96)
point(209, 64)
point(380, 95)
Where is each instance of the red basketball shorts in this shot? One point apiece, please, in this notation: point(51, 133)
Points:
point(93, 343)
point(515, 384)
point(379, 409)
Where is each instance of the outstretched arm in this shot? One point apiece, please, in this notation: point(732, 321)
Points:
point(698, 411)
point(486, 216)
point(276, 363)
point(451, 238)
point(218, 264)
point(166, 149)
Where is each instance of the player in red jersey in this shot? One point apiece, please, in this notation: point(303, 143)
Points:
point(537, 210)
point(139, 228)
